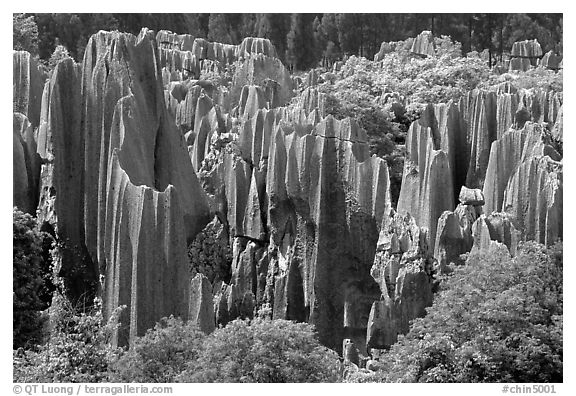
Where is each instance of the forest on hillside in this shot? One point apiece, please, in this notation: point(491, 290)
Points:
point(301, 40)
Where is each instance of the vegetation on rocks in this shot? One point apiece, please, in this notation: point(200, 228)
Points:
point(306, 225)
point(496, 319)
point(77, 348)
point(263, 350)
point(31, 277)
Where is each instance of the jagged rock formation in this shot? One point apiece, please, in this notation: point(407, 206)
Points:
point(201, 306)
point(385, 48)
point(506, 154)
point(302, 221)
point(403, 270)
point(495, 227)
point(525, 54)
point(26, 164)
point(256, 45)
point(130, 217)
point(28, 83)
point(537, 210)
point(427, 184)
point(424, 44)
point(266, 72)
point(302, 202)
point(550, 60)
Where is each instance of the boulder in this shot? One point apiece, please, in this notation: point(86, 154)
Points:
point(471, 196)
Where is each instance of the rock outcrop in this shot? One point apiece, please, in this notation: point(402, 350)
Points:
point(427, 184)
point(507, 153)
point(403, 269)
point(550, 60)
point(130, 217)
point(28, 84)
point(258, 69)
point(525, 54)
point(533, 199)
point(423, 44)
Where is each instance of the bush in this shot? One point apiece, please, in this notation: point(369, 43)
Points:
point(210, 254)
point(24, 33)
point(31, 276)
point(263, 351)
point(77, 350)
point(497, 319)
point(161, 354)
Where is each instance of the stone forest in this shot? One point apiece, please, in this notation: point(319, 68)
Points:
point(176, 198)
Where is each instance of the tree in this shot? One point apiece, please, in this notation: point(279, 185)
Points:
point(78, 348)
point(300, 52)
point(30, 278)
point(496, 319)
point(59, 54)
point(274, 27)
point(161, 354)
point(25, 33)
point(319, 37)
point(349, 33)
point(263, 350)
point(218, 29)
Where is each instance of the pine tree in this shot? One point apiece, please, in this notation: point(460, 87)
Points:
point(218, 29)
point(319, 39)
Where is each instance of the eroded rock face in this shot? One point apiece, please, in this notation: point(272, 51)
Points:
point(302, 217)
point(424, 44)
point(508, 152)
point(201, 305)
point(427, 184)
point(550, 60)
point(61, 147)
point(26, 164)
point(130, 217)
point(255, 70)
point(403, 269)
point(525, 54)
point(536, 210)
point(28, 84)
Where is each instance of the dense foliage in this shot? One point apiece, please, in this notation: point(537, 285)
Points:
point(31, 274)
point(210, 254)
point(161, 354)
point(386, 96)
point(496, 319)
point(263, 350)
point(77, 349)
point(318, 37)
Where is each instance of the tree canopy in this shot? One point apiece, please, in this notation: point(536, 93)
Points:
point(299, 40)
point(496, 319)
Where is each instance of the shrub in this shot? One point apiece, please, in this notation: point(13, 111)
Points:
point(161, 354)
point(60, 53)
point(30, 280)
point(497, 319)
point(210, 254)
point(263, 351)
point(24, 33)
point(77, 350)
